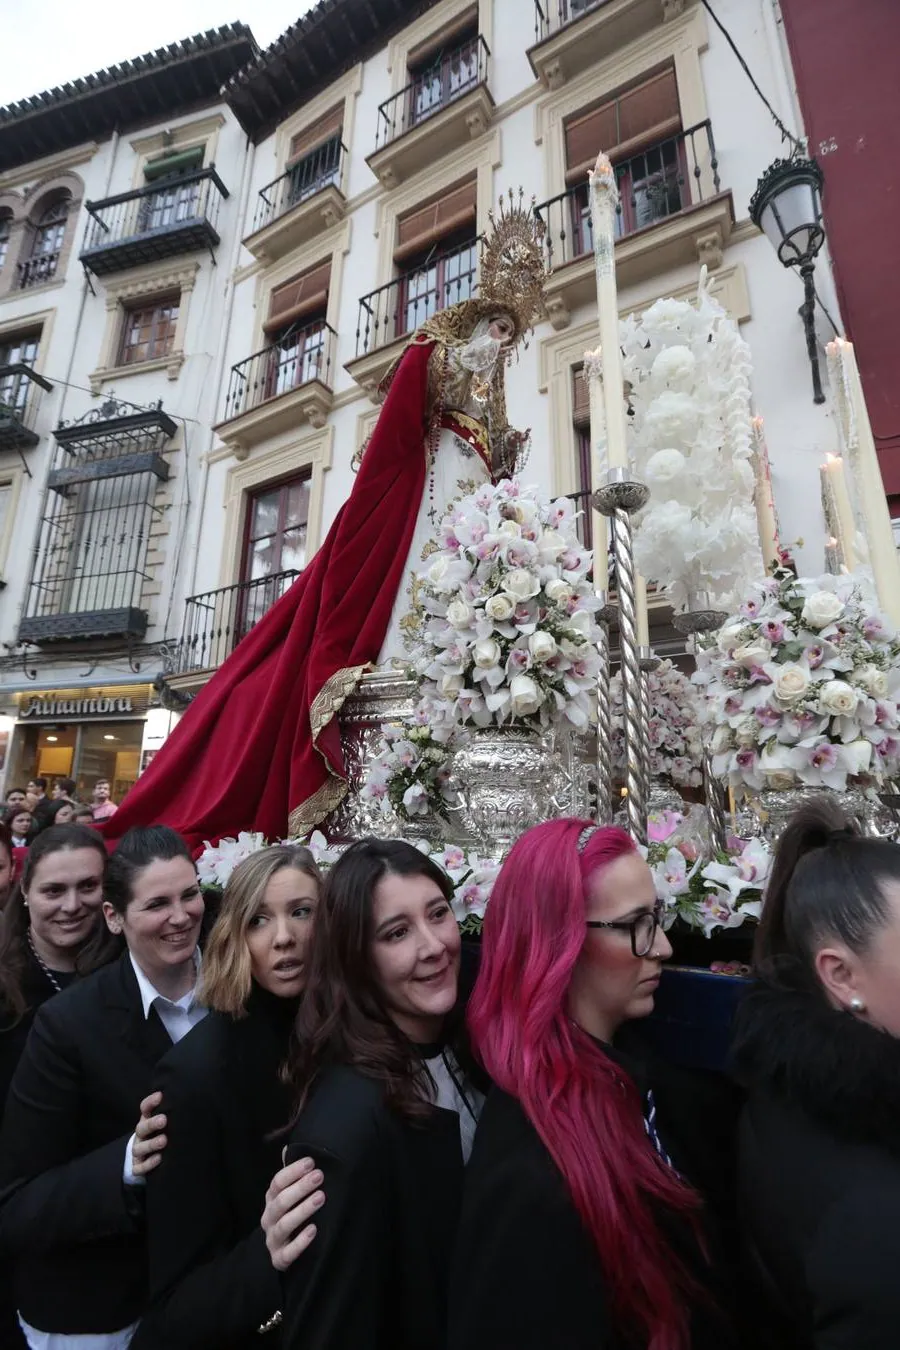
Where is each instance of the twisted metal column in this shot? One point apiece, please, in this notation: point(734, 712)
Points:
point(715, 804)
point(604, 717)
point(648, 661)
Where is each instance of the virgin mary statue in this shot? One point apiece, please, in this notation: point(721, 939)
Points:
point(260, 747)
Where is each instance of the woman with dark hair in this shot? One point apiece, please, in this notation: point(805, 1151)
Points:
point(580, 1225)
point(61, 811)
point(71, 1170)
point(386, 1106)
point(212, 1286)
point(6, 867)
point(818, 1046)
point(21, 824)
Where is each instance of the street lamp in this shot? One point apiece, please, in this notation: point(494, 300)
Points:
point(787, 207)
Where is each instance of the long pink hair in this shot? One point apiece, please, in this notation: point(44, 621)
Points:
point(568, 1088)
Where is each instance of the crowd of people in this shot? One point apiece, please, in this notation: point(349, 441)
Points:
point(309, 1115)
point(29, 810)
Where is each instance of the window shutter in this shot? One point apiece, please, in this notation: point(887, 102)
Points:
point(581, 401)
point(295, 299)
point(635, 118)
point(174, 161)
point(310, 138)
point(428, 225)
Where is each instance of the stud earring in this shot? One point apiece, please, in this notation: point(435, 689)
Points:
point(857, 1005)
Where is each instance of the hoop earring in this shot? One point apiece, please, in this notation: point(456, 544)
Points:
point(857, 1005)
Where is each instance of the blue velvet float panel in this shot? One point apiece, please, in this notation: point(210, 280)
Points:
point(693, 1015)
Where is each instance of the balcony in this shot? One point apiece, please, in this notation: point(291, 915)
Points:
point(570, 36)
point(21, 390)
point(672, 212)
point(279, 387)
point(92, 557)
point(305, 200)
point(439, 112)
point(37, 270)
point(214, 624)
point(161, 220)
point(388, 315)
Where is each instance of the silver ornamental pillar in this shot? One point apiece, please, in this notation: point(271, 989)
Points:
point(604, 813)
point(648, 662)
point(617, 499)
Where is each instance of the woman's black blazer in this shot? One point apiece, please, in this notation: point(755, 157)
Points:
point(66, 1217)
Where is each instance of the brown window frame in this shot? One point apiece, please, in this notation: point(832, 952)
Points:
point(159, 347)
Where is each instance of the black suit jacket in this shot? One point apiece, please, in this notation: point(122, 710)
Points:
point(74, 1228)
point(212, 1283)
point(375, 1278)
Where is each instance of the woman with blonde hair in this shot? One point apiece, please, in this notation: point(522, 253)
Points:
point(211, 1281)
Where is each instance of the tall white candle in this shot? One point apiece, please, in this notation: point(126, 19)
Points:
point(592, 374)
point(764, 500)
point(604, 198)
point(842, 523)
point(643, 614)
point(856, 430)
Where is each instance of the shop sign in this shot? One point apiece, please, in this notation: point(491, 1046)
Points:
point(84, 704)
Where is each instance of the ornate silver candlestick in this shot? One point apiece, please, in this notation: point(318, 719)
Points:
point(604, 715)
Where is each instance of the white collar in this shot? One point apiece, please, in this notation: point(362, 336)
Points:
point(149, 994)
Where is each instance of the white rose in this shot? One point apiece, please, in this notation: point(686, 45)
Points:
point(728, 637)
point(551, 544)
point(791, 683)
point(722, 739)
point(509, 530)
point(525, 696)
point(542, 645)
point(486, 654)
point(664, 467)
point(580, 623)
point(521, 584)
point(500, 608)
point(747, 731)
point(559, 591)
point(459, 614)
point(754, 653)
point(438, 570)
point(674, 367)
point(872, 680)
point(821, 609)
point(838, 699)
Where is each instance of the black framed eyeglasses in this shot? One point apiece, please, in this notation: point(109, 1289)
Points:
point(642, 929)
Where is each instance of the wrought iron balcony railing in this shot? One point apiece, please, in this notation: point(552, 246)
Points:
point(36, 270)
point(308, 177)
point(215, 621)
point(455, 72)
point(302, 356)
point(407, 301)
point(160, 220)
point(661, 181)
point(552, 15)
point(21, 390)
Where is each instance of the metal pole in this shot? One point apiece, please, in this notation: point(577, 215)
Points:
point(808, 315)
point(604, 716)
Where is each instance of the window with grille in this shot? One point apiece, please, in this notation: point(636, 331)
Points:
point(49, 231)
point(149, 333)
point(443, 75)
point(437, 254)
point(314, 162)
point(5, 232)
point(297, 330)
point(274, 543)
point(14, 386)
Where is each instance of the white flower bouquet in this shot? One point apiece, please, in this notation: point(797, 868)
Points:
point(705, 894)
point(675, 738)
point(510, 634)
point(802, 687)
point(410, 775)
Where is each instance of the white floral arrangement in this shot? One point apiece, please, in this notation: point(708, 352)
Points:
point(802, 687)
point(410, 775)
point(691, 441)
point(472, 876)
point(707, 894)
point(510, 634)
point(674, 730)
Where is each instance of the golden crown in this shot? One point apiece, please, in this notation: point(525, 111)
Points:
point(512, 262)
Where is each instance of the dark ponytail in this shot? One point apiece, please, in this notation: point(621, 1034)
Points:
point(827, 882)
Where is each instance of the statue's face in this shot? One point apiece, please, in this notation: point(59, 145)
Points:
point(502, 329)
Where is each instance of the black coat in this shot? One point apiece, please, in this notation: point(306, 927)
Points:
point(375, 1278)
point(819, 1172)
point(526, 1275)
point(75, 1229)
point(212, 1284)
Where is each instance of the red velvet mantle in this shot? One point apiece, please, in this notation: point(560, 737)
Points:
point(260, 744)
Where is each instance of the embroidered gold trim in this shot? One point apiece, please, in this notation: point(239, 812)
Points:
point(326, 705)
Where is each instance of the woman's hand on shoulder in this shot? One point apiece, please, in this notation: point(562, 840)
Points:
point(149, 1140)
point(291, 1202)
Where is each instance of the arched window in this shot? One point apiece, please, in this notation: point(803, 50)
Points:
point(6, 220)
point(46, 244)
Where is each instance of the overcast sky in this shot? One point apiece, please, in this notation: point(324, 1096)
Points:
point(59, 40)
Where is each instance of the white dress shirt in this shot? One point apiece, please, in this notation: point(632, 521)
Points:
point(178, 1016)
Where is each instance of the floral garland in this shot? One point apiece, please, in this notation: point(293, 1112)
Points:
point(721, 893)
point(675, 737)
point(802, 687)
point(472, 876)
point(510, 634)
point(410, 775)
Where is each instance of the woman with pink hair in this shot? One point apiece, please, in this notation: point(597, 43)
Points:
point(580, 1228)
